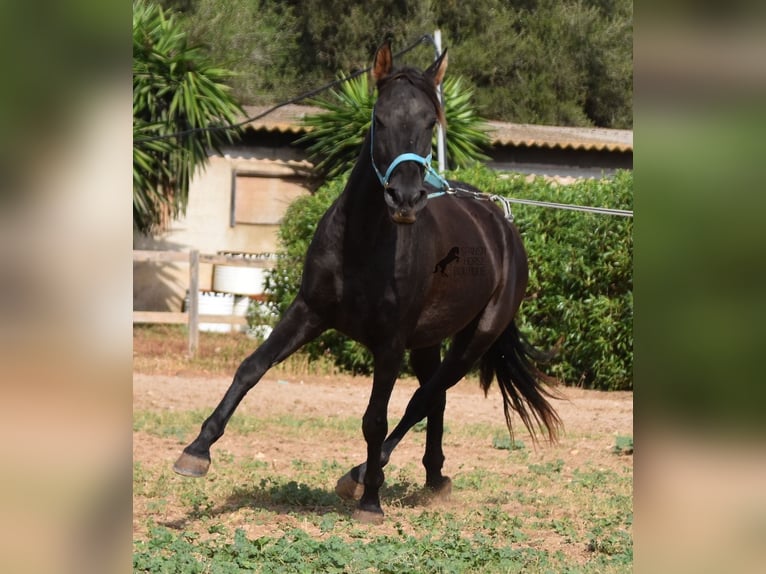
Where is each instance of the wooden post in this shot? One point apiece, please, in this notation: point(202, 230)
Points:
point(193, 301)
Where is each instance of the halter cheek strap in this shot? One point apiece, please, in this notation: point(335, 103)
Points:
point(431, 176)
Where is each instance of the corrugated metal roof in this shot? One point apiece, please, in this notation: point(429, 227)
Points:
point(287, 119)
point(555, 137)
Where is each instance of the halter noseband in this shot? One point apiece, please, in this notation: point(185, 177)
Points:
point(431, 176)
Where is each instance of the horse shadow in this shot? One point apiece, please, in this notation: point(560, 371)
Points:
point(298, 498)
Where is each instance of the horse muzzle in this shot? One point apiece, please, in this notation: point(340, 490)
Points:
point(404, 217)
point(404, 208)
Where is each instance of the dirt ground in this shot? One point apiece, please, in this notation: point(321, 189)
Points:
point(592, 419)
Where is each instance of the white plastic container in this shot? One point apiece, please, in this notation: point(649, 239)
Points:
point(241, 305)
point(213, 303)
point(240, 280)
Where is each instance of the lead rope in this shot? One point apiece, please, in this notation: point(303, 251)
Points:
point(506, 202)
point(503, 201)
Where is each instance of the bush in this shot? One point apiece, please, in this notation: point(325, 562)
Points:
point(282, 282)
point(580, 288)
point(580, 275)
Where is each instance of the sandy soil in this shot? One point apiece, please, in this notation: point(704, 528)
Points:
point(591, 419)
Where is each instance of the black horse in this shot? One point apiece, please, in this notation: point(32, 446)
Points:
point(369, 274)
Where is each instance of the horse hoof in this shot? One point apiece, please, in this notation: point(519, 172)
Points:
point(368, 516)
point(190, 465)
point(443, 490)
point(349, 489)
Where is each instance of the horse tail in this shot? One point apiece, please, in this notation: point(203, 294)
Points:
point(524, 387)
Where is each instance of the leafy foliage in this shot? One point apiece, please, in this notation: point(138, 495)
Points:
point(297, 551)
point(623, 445)
point(581, 276)
point(336, 135)
point(258, 39)
point(580, 288)
point(283, 282)
point(465, 129)
point(566, 62)
point(175, 89)
point(546, 61)
point(343, 34)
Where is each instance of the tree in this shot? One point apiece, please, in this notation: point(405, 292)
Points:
point(556, 62)
point(179, 99)
point(257, 38)
point(342, 35)
point(565, 62)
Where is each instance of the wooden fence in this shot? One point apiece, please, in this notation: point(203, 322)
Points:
point(191, 317)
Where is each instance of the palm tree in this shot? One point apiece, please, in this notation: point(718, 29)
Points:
point(180, 108)
point(336, 134)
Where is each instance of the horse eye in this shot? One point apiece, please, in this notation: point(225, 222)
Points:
point(379, 123)
point(432, 123)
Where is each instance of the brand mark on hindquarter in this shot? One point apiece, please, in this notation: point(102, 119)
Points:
point(452, 256)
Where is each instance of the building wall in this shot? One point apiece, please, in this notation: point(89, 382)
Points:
point(263, 181)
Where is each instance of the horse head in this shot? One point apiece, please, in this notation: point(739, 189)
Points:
point(401, 131)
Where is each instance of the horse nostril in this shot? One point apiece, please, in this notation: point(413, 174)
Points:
point(392, 196)
point(417, 198)
point(398, 200)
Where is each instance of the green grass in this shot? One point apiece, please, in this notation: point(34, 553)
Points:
point(535, 514)
point(180, 425)
point(623, 445)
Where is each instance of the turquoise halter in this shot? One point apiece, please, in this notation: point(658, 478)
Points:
point(430, 177)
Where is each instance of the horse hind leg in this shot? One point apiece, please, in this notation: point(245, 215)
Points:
point(425, 363)
point(298, 326)
point(467, 346)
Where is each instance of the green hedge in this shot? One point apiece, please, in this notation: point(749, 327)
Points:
point(580, 275)
point(580, 294)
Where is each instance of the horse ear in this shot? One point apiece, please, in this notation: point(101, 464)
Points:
point(437, 69)
point(383, 61)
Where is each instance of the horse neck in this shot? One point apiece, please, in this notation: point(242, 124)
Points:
point(362, 201)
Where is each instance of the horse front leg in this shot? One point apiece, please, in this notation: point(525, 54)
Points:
point(429, 400)
point(425, 362)
point(298, 326)
point(375, 428)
